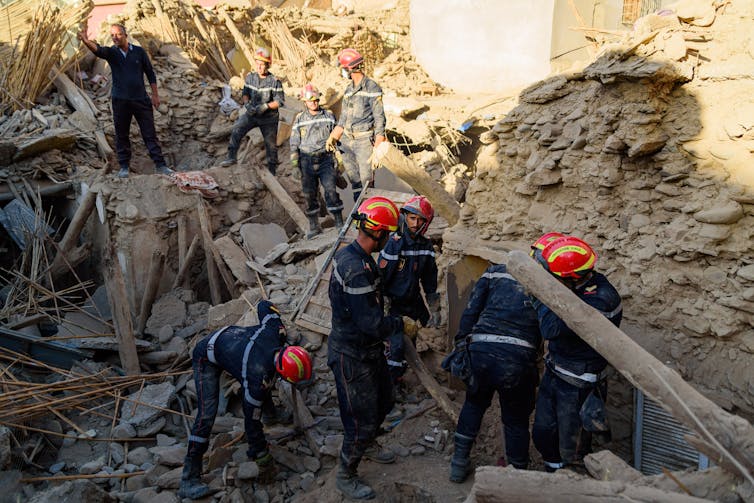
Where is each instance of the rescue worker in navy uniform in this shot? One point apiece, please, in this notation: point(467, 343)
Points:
point(262, 97)
point(500, 331)
point(356, 343)
point(571, 399)
point(361, 124)
point(309, 133)
point(407, 261)
point(255, 356)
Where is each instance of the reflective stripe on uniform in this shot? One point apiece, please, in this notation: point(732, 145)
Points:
point(347, 289)
point(246, 352)
point(554, 465)
point(497, 275)
point(314, 121)
point(362, 93)
point(586, 376)
point(260, 89)
point(200, 440)
point(393, 363)
point(211, 345)
point(388, 256)
point(614, 312)
point(407, 253)
point(501, 339)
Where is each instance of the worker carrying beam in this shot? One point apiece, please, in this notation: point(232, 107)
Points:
point(571, 401)
point(256, 356)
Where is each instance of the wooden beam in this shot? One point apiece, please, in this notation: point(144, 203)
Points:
point(429, 382)
point(150, 292)
point(284, 199)
point(508, 485)
point(237, 35)
point(183, 270)
point(118, 298)
point(212, 254)
point(407, 170)
point(728, 440)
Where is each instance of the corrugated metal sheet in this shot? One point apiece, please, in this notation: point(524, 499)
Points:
point(659, 442)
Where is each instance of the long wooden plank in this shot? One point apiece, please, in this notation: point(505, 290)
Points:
point(124, 330)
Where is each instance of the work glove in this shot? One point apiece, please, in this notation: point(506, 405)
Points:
point(251, 109)
point(294, 159)
point(435, 317)
point(262, 108)
point(332, 144)
point(410, 327)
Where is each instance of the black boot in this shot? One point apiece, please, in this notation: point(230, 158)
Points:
point(460, 464)
point(338, 216)
point(191, 480)
point(123, 172)
point(314, 227)
point(351, 485)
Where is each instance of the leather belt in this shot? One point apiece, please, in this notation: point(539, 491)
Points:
point(501, 339)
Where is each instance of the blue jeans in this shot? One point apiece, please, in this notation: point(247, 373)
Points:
point(316, 169)
point(365, 396)
point(557, 430)
point(514, 375)
point(269, 130)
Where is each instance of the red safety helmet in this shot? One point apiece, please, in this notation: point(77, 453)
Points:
point(310, 93)
point(350, 59)
point(569, 257)
point(377, 214)
point(294, 364)
point(262, 54)
point(539, 245)
point(418, 205)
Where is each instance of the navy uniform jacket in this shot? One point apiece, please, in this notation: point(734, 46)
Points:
point(309, 132)
point(404, 264)
point(499, 305)
point(264, 90)
point(248, 354)
point(362, 108)
point(565, 348)
point(128, 72)
point(359, 324)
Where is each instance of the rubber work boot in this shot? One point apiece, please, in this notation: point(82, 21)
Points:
point(352, 486)
point(191, 480)
point(460, 464)
point(123, 172)
point(314, 227)
point(338, 216)
point(163, 170)
point(379, 455)
point(228, 161)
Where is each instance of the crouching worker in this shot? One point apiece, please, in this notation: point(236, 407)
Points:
point(255, 356)
point(309, 133)
point(570, 403)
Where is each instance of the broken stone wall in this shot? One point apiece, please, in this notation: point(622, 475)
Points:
point(646, 154)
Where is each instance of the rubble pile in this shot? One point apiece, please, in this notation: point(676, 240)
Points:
point(646, 154)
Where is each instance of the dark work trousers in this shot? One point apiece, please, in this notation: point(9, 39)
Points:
point(396, 350)
point(269, 130)
point(207, 381)
point(365, 396)
point(557, 430)
point(316, 169)
point(515, 380)
point(141, 110)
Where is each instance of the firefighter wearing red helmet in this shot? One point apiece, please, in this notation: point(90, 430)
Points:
point(255, 357)
point(361, 124)
point(407, 264)
point(262, 97)
point(356, 343)
point(316, 165)
point(571, 399)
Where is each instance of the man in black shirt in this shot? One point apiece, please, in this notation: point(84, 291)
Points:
point(129, 63)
